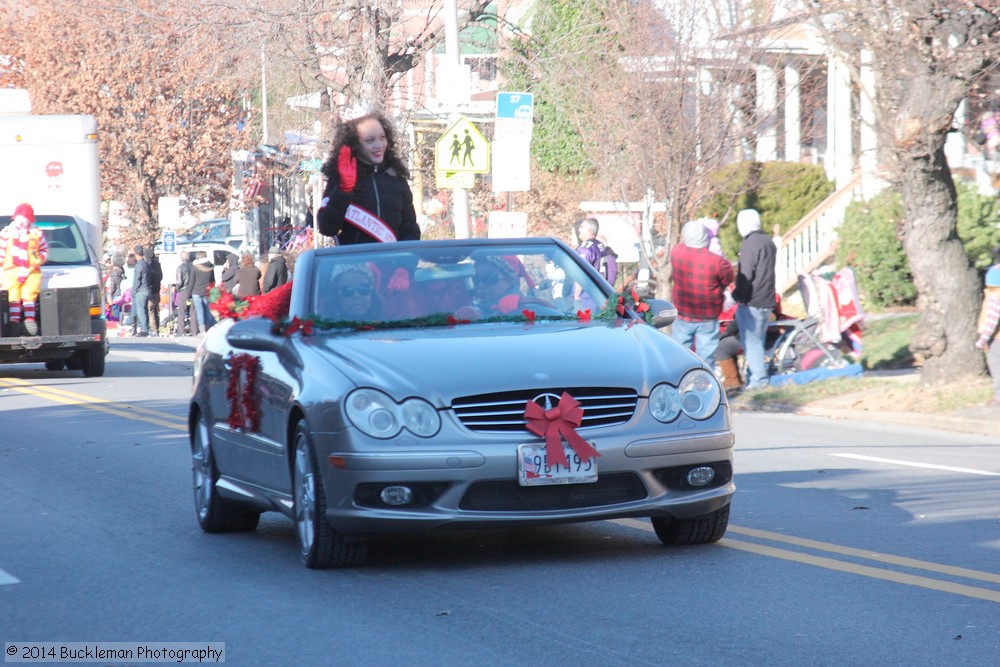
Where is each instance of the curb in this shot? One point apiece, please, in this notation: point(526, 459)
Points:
point(989, 427)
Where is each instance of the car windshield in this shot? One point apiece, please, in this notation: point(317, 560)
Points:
point(428, 282)
point(65, 241)
point(209, 230)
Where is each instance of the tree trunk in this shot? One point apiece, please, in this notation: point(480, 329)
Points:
point(947, 286)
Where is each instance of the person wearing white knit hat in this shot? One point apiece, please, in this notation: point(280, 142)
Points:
point(754, 293)
point(700, 278)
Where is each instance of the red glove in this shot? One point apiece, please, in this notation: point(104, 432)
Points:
point(347, 168)
point(399, 281)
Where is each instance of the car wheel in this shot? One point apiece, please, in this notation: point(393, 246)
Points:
point(55, 364)
point(699, 530)
point(215, 514)
point(320, 546)
point(93, 362)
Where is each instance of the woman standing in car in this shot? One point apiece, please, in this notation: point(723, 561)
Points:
point(367, 196)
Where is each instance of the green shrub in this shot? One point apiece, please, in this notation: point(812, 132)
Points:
point(870, 245)
point(782, 192)
point(977, 224)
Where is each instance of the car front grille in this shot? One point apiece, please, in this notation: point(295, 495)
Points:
point(509, 496)
point(504, 412)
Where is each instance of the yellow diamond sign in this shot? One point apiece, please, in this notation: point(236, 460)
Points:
point(462, 147)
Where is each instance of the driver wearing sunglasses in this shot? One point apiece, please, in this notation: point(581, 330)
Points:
point(496, 288)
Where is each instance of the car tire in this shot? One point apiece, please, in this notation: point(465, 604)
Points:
point(320, 546)
point(55, 364)
point(699, 530)
point(215, 514)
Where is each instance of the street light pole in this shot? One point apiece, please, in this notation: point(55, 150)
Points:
point(460, 196)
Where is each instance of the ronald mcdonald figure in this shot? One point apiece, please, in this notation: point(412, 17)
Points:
point(23, 250)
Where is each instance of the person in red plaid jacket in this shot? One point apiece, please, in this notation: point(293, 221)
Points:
point(700, 278)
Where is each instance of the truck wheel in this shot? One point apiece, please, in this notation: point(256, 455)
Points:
point(55, 364)
point(93, 362)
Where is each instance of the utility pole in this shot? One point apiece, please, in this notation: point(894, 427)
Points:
point(460, 196)
point(263, 94)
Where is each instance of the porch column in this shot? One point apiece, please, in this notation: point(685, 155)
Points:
point(793, 114)
point(766, 116)
point(869, 161)
point(839, 149)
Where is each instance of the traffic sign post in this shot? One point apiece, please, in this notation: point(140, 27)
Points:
point(512, 135)
point(462, 147)
point(169, 240)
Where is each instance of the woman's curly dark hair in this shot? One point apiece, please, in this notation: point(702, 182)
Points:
point(347, 134)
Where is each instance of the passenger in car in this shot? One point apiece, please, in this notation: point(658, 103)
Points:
point(353, 294)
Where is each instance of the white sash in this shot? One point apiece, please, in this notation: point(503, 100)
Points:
point(369, 223)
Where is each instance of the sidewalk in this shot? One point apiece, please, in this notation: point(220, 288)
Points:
point(980, 419)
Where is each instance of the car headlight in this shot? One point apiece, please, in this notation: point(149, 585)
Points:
point(664, 403)
point(377, 415)
point(698, 396)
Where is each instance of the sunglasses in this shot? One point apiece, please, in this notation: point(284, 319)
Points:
point(348, 291)
point(487, 279)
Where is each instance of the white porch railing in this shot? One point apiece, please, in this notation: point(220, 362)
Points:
point(811, 242)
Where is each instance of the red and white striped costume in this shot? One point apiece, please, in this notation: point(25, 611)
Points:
point(23, 251)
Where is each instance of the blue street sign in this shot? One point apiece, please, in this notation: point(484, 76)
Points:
point(519, 106)
point(169, 240)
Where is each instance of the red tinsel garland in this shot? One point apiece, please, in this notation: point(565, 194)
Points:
point(243, 413)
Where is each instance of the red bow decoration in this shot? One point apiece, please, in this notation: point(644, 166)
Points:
point(243, 413)
point(640, 305)
point(557, 424)
point(452, 321)
point(529, 315)
point(305, 325)
point(583, 315)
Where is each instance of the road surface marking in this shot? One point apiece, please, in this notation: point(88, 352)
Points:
point(915, 464)
point(100, 405)
point(853, 568)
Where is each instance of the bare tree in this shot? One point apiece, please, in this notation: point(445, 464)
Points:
point(168, 112)
point(641, 98)
point(927, 57)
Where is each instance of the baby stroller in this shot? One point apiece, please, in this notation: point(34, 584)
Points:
point(827, 336)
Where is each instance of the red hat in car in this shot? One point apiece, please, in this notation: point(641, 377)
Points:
point(25, 211)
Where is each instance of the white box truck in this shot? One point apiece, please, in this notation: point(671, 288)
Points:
point(51, 162)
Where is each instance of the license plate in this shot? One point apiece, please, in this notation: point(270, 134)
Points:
point(534, 469)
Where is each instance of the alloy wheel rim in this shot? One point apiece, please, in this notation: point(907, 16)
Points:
point(304, 496)
point(200, 469)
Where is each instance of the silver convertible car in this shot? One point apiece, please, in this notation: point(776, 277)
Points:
point(454, 384)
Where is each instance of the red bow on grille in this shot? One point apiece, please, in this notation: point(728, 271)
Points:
point(557, 424)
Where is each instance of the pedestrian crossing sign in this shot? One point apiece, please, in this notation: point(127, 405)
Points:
point(462, 147)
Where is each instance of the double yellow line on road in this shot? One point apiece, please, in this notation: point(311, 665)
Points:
point(178, 423)
point(825, 562)
point(100, 405)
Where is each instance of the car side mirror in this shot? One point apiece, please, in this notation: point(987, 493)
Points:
point(256, 333)
point(664, 312)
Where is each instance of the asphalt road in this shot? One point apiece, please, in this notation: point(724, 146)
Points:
point(850, 543)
